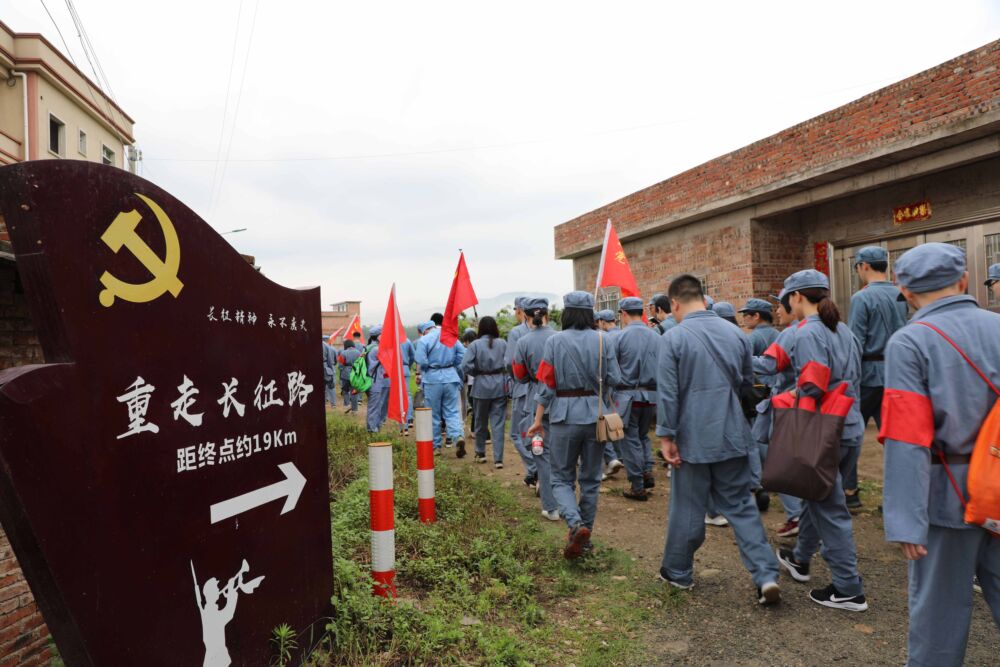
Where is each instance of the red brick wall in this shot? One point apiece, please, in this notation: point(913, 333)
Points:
point(779, 248)
point(656, 259)
point(947, 95)
point(24, 638)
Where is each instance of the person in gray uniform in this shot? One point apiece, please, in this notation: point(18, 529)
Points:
point(993, 279)
point(660, 305)
point(707, 441)
point(519, 397)
point(758, 319)
point(378, 395)
point(346, 360)
point(635, 348)
point(613, 456)
point(765, 367)
point(825, 354)
point(726, 311)
point(577, 363)
point(527, 359)
point(484, 362)
point(330, 373)
point(876, 314)
point(935, 404)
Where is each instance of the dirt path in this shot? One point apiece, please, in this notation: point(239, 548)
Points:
point(719, 622)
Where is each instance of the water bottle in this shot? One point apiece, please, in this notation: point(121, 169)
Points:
point(537, 445)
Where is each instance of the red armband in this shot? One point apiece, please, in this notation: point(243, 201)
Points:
point(815, 374)
point(519, 370)
point(546, 374)
point(907, 417)
point(778, 353)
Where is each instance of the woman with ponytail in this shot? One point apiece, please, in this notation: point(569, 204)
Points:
point(484, 363)
point(824, 353)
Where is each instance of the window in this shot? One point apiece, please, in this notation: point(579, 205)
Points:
point(81, 143)
point(57, 136)
point(608, 298)
point(107, 155)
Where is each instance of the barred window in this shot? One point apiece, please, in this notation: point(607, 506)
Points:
point(608, 298)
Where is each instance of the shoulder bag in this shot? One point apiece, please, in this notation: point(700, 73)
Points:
point(610, 427)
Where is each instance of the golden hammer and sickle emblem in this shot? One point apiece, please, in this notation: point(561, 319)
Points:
point(121, 232)
point(620, 256)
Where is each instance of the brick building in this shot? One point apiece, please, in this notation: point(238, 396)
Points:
point(48, 110)
point(339, 316)
point(914, 162)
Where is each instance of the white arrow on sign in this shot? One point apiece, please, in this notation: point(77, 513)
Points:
point(290, 488)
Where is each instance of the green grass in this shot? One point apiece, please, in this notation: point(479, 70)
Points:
point(485, 585)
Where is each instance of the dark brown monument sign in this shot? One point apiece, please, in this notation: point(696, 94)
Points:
point(164, 476)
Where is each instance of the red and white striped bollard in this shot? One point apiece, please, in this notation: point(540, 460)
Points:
point(422, 422)
point(383, 519)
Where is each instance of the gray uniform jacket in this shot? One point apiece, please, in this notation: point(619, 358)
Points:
point(703, 364)
point(765, 367)
point(816, 346)
point(346, 359)
point(668, 324)
point(934, 399)
point(486, 366)
point(528, 357)
point(380, 379)
point(636, 347)
point(761, 338)
point(875, 316)
point(519, 390)
point(570, 364)
point(329, 364)
point(439, 364)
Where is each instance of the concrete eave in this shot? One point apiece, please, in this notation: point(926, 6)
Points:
point(963, 142)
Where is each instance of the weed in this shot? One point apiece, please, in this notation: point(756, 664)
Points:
point(283, 638)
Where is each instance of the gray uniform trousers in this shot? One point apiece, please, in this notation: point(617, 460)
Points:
point(519, 405)
point(634, 447)
point(491, 417)
point(543, 462)
point(941, 595)
point(572, 445)
point(828, 521)
point(378, 406)
point(726, 485)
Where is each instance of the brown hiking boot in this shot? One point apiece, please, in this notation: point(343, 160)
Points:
point(578, 538)
point(635, 494)
point(648, 481)
point(460, 448)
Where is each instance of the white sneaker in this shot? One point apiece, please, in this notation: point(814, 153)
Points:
point(717, 520)
point(552, 516)
point(614, 466)
point(769, 593)
point(604, 477)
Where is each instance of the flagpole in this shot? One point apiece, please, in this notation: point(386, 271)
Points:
point(600, 267)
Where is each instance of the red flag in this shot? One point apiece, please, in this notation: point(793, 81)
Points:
point(614, 270)
point(352, 328)
point(333, 336)
point(461, 297)
point(391, 358)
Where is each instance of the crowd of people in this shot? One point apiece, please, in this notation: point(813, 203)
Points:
point(682, 366)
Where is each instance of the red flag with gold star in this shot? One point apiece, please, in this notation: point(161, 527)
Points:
point(614, 270)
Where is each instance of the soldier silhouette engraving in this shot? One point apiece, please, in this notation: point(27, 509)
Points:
point(213, 619)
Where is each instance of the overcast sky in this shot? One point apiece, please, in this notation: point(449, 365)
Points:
point(369, 141)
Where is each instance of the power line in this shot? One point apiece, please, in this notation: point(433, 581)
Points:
point(65, 45)
point(236, 112)
point(225, 108)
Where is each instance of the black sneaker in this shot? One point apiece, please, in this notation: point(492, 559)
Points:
point(831, 597)
point(799, 571)
point(460, 448)
point(769, 593)
point(853, 500)
point(531, 481)
point(763, 500)
point(648, 481)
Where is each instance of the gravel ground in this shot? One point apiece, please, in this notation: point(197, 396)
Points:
point(719, 622)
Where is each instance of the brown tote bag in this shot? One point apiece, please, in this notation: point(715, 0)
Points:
point(804, 455)
point(610, 427)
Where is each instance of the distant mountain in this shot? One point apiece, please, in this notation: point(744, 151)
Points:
point(488, 306)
